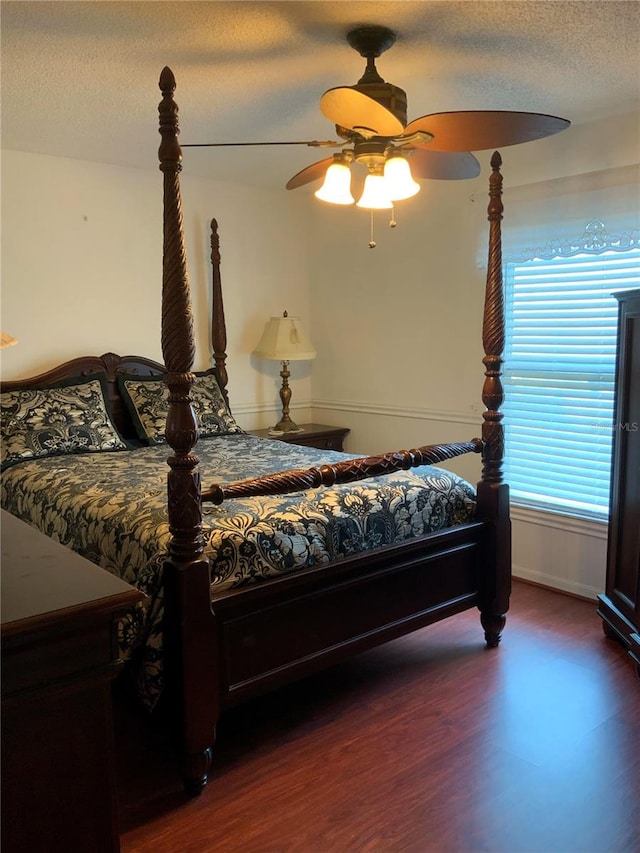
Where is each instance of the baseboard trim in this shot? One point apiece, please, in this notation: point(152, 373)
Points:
point(574, 588)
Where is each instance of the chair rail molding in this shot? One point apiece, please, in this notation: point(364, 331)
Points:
point(399, 411)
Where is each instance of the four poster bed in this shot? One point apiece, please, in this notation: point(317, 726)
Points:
point(294, 559)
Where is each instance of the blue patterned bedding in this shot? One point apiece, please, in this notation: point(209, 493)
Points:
point(111, 508)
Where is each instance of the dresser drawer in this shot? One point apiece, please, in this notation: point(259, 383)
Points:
point(327, 442)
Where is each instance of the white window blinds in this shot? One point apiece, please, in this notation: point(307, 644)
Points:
point(559, 370)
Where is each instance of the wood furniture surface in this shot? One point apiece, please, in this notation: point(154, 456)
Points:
point(619, 607)
point(314, 435)
point(58, 659)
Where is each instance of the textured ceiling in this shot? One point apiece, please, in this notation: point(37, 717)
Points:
point(80, 79)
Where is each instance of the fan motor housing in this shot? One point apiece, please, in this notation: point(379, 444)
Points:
point(371, 152)
point(392, 97)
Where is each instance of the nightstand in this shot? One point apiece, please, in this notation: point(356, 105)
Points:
point(315, 435)
point(58, 658)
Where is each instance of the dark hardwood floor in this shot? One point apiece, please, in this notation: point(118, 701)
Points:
point(430, 743)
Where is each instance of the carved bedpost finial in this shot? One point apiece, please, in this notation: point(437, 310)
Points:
point(493, 335)
point(178, 345)
point(215, 242)
point(169, 152)
point(218, 325)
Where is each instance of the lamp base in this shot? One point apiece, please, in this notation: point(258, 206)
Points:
point(285, 425)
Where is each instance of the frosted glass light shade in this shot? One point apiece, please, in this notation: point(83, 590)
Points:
point(399, 180)
point(284, 339)
point(336, 188)
point(375, 195)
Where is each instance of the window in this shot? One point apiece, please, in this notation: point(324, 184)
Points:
point(559, 370)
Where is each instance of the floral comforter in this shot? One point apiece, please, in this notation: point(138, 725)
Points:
point(111, 508)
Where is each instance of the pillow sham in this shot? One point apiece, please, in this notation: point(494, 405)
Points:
point(147, 400)
point(68, 418)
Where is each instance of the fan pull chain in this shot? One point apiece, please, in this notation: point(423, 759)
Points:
point(392, 224)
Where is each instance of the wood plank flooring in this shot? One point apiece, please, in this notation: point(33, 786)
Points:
point(430, 744)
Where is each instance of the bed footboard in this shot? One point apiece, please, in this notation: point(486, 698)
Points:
point(272, 633)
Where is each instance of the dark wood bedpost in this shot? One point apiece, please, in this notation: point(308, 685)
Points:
point(186, 572)
point(218, 324)
point(493, 493)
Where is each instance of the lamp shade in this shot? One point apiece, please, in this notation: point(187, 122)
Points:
point(398, 179)
point(375, 194)
point(336, 188)
point(284, 339)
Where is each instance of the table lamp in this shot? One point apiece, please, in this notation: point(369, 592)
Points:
point(285, 340)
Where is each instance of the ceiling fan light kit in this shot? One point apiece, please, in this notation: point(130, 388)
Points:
point(389, 180)
point(371, 117)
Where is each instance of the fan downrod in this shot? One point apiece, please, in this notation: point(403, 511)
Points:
point(371, 41)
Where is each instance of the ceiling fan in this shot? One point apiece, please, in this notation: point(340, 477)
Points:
point(370, 118)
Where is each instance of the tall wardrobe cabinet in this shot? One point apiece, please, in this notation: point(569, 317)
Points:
point(619, 607)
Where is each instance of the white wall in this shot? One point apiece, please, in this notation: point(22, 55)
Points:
point(397, 328)
point(82, 270)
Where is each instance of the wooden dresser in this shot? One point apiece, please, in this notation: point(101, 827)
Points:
point(58, 658)
point(619, 607)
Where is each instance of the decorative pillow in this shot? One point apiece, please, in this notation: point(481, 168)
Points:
point(146, 397)
point(69, 418)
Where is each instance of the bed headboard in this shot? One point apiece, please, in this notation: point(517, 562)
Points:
point(108, 364)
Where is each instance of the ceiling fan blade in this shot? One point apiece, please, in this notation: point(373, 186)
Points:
point(442, 165)
point(310, 143)
point(347, 107)
point(310, 173)
point(477, 130)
